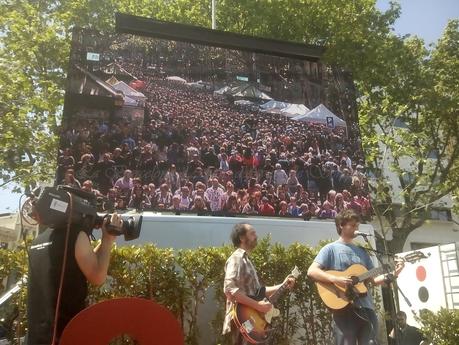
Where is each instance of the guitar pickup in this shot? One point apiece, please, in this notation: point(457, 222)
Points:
point(247, 326)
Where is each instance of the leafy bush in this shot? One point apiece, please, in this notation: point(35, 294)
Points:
point(13, 266)
point(441, 328)
point(181, 280)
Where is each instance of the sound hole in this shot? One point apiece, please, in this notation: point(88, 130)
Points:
point(124, 339)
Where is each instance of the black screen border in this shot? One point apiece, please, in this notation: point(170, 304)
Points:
point(149, 27)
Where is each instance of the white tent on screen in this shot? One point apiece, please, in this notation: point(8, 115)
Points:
point(248, 91)
point(196, 84)
point(273, 106)
point(176, 79)
point(244, 102)
point(131, 102)
point(321, 114)
point(130, 92)
point(294, 110)
point(222, 91)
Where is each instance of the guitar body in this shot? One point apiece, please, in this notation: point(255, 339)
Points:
point(251, 323)
point(254, 326)
point(336, 297)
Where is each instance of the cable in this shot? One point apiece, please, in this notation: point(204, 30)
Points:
point(372, 328)
point(64, 262)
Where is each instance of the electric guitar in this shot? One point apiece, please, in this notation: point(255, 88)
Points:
point(254, 326)
point(338, 297)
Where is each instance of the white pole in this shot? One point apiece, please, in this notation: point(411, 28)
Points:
point(214, 25)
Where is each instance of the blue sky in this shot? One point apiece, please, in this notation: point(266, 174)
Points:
point(424, 18)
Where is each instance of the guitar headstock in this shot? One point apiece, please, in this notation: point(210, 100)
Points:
point(295, 272)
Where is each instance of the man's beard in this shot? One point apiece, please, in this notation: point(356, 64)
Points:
point(252, 244)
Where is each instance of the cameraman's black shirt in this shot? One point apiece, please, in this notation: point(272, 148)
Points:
point(45, 264)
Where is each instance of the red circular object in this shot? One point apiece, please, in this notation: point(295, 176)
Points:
point(143, 320)
point(137, 84)
point(421, 273)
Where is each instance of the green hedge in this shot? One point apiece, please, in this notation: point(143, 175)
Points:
point(441, 328)
point(180, 280)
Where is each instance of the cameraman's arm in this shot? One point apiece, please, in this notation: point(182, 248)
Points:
point(94, 262)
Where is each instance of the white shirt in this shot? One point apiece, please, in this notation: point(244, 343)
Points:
point(215, 196)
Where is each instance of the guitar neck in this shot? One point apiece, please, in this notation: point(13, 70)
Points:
point(372, 273)
point(275, 296)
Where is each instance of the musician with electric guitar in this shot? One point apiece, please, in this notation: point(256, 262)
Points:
point(249, 307)
point(341, 270)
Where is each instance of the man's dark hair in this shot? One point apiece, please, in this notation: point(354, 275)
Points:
point(239, 230)
point(401, 314)
point(345, 217)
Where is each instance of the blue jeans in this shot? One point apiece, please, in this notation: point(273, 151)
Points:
point(355, 326)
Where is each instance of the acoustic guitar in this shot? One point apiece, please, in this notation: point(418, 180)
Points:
point(254, 326)
point(338, 297)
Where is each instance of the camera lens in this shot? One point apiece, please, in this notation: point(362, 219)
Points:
point(130, 227)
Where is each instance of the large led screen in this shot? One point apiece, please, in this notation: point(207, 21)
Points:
point(156, 124)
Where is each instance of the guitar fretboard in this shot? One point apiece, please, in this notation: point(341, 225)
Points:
point(372, 273)
point(275, 296)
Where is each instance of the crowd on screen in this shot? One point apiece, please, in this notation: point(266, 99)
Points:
point(201, 154)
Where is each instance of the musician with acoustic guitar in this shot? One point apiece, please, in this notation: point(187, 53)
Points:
point(241, 284)
point(342, 270)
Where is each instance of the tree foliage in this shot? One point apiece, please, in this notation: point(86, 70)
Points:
point(410, 131)
point(396, 77)
point(441, 328)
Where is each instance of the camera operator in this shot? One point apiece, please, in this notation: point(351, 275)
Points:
point(54, 256)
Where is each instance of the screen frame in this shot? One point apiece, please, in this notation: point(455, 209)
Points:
point(155, 29)
point(149, 27)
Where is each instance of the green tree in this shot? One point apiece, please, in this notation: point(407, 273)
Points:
point(410, 131)
point(31, 96)
point(441, 328)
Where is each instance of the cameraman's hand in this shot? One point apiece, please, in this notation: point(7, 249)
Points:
point(115, 221)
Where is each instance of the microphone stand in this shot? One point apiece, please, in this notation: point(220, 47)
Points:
point(392, 305)
point(394, 282)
